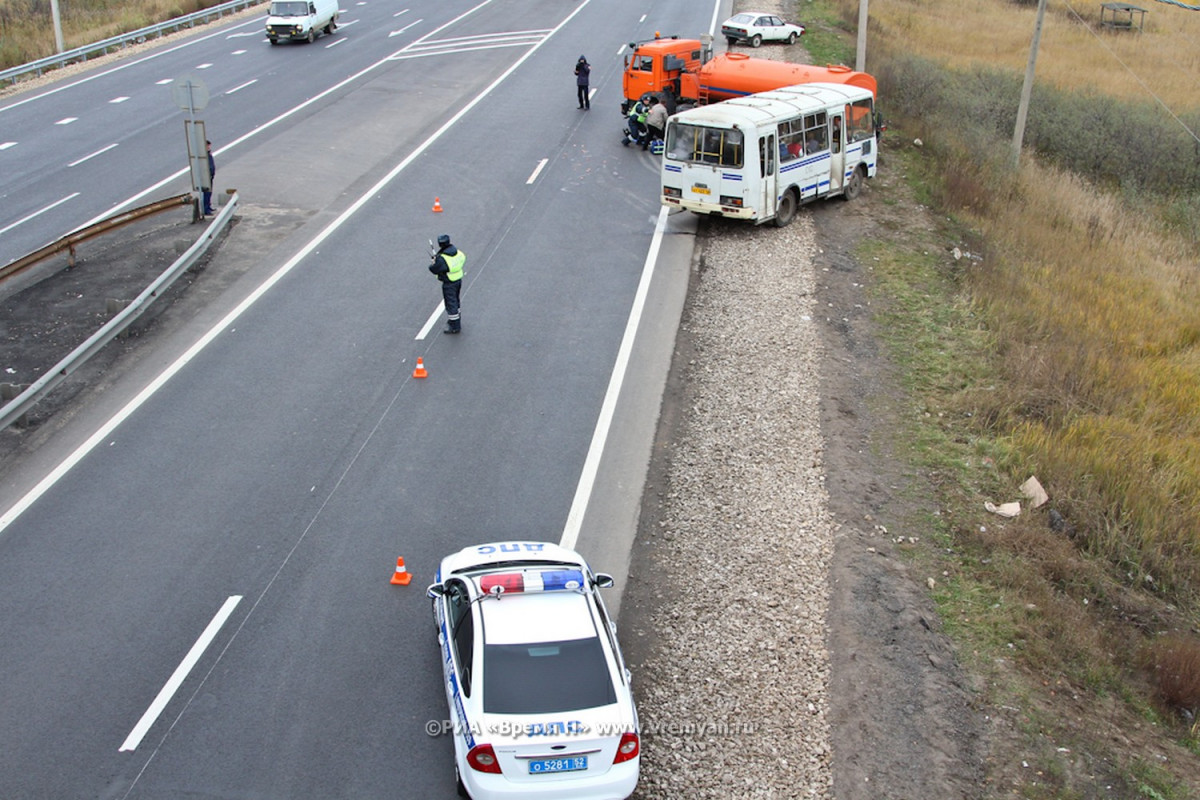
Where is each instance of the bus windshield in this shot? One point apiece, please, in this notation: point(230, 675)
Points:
point(699, 143)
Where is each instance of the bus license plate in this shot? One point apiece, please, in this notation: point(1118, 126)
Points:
point(698, 189)
point(539, 766)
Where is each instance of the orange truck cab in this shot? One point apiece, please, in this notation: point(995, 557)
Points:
point(685, 72)
point(658, 66)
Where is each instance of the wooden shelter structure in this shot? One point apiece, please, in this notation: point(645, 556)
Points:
point(1119, 17)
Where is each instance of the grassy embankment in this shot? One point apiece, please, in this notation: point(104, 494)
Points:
point(1068, 348)
point(27, 32)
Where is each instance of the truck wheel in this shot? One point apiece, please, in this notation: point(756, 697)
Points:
point(273, 40)
point(331, 27)
point(756, 40)
point(785, 212)
point(312, 36)
point(853, 186)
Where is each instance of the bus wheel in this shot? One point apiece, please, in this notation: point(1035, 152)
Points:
point(854, 185)
point(785, 212)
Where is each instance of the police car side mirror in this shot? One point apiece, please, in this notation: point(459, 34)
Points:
point(435, 591)
point(603, 581)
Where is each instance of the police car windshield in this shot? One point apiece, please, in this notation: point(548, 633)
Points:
point(546, 677)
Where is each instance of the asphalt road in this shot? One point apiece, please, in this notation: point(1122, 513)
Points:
point(231, 513)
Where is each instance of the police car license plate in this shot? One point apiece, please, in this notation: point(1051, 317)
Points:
point(540, 766)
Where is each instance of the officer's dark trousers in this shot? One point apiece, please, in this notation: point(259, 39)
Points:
point(450, 291)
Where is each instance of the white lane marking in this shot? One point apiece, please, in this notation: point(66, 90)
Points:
point(591, 464)
point(6, 145)
point(203, 66)
point(239, 52)
point(335, 43)
point(38, 213)
point(406, 27)
point(177, 677)
point(126, 65)
point(66, 120)
point(79, 161)
point(56, 474)
point(243, 34)
point(429, 323)
point(118, 100)
point(243, 86)
point(398, 13)
point(164, 81)
point(537, 171)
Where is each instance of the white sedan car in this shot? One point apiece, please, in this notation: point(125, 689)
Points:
point(756, 27)
point(539, 696)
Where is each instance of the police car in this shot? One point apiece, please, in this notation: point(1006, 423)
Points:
point(540, 699)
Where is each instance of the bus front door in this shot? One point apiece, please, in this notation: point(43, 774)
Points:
point(766, 167)
point(837, 149)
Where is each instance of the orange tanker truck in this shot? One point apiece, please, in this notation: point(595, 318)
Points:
point(685, 72)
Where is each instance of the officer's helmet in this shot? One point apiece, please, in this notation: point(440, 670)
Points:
point(443, 240)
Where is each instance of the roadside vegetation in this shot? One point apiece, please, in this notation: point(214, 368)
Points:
point(1062, 343)
point(27, 29)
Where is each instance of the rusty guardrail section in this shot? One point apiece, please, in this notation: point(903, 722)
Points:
point(69, 241)
point(27, 399)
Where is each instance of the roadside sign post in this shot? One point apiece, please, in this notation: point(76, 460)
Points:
point(191, 95)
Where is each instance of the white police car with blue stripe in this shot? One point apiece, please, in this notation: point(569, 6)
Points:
point(540, 698)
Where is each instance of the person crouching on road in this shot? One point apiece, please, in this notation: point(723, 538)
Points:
point(656, 122)
point(448, 263)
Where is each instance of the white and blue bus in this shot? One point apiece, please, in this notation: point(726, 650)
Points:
point(759, 157)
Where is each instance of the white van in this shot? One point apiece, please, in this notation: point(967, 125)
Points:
point(301, 19)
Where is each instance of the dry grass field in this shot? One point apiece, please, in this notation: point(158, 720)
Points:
point(1067, 346)
point(27, 31)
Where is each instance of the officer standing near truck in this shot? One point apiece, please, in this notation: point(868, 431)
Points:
point(448, 263)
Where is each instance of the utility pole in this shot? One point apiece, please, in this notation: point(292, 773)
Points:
point(58, 37)
point(1027, 89)
point(860, 58)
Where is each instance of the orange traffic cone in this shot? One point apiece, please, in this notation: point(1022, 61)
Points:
point(401, 576)
point(437, 205)
point(420, 372)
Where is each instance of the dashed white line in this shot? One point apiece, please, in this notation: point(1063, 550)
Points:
point(243, 86)
point(118, 100)
point(92, 155)
point(537, 171)
point(406, 27)
point(6, 145)
point(66, 120)
point(181, 672)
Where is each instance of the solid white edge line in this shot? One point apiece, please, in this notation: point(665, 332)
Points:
point(591, 464)
point(39, 212)
point(43, 486)
point(178, 676)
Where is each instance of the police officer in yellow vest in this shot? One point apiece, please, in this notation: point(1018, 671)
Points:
point(448, 263)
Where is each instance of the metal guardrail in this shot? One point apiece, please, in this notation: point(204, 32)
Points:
point(68, 242)
point(14, 74)
point(27, 399)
